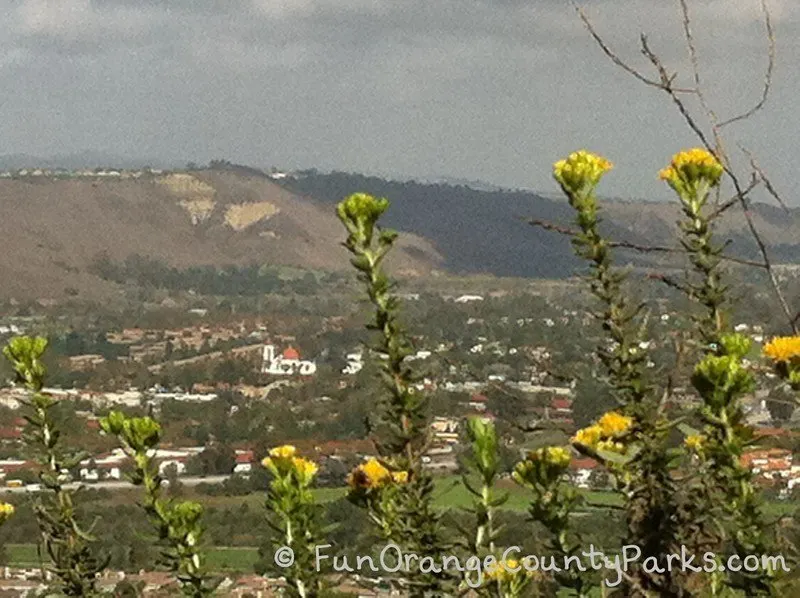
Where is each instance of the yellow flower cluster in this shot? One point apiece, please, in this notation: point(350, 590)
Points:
point(287, 451)
point(554, 455)
point(611, 446)
point(581, 171)
point(373, 474)
point(283, 459)
point(304, 467)
point(604, 434)
point(691, 167)
point(589, 436)
point(694, 442)
point(506, 571)
point(783, 349)
point(614, 423)
point(6, 511)
point(542, 467)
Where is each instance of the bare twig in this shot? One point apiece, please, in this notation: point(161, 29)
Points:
point(670, 282)
point(616, 59)
point(719, 149)
point(562, 230)
point(665, 84)
point(754, 182)
point(762, 248)
point(768, 74)
point(687, 32)
point(767, 183)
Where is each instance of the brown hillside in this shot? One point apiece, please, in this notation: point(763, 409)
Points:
point(53, 230)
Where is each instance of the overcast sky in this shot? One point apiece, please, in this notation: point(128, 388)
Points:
point(481, 89)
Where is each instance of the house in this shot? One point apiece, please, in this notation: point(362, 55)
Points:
point(244, 461)
point(10, 433)
point(287, 363)
point(468, 298)
point(581, 469)
point(418, 355)
point(355, 363)
point(11, 466)
point(85, 362)
point(445, 430)
point(103, 467)
point(478, 402)
point(561, 405)
point(178, 458)
point(773, 466)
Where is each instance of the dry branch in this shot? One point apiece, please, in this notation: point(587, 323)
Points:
point(665, 83)
point(635, 246)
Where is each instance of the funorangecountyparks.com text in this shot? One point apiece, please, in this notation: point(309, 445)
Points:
point(392, 559)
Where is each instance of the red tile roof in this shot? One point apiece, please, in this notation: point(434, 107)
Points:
point(772, 432)
point(564, 404)
point(583, 463)
point(10, 433)
point(244, 457)
point(291, 353)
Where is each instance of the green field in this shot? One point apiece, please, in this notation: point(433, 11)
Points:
point(450, 494)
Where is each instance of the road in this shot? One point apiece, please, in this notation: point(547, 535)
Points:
point(156, 367)
point(118, 484)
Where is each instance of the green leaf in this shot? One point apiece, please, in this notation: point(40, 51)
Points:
point(688, 430)
point(613, 457)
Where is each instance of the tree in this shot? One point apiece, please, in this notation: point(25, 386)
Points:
point(216, 459)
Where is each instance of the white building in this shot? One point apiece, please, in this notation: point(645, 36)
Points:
point(468, 298)
point(418, 355)
point(287, 363)
point(355, 363)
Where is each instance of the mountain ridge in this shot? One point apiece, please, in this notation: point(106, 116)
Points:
point(54, 230)
point(486, 231)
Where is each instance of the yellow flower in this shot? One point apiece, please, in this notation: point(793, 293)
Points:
point(305, 468)
point(554, 455)
point(369, 475)
point(400, 477)
point(783, 349)
point(694, 442)
point(588, 436)
point(581, 171)
point(691, 167)
point(505, 570)
point(614, 423)
point(611, 446)
point(287, 451)
point(6, 511)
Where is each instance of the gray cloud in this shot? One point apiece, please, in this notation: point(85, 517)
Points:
point(491, 89)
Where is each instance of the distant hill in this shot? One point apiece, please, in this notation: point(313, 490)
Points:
point(57, 232)
point(85, 159)
point(54, 231)
point(483, 230)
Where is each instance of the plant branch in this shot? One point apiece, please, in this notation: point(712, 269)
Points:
point(616, 59)
point(635, 246)
point(767, 75)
